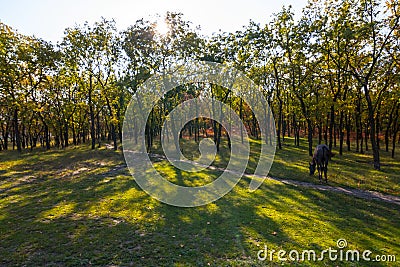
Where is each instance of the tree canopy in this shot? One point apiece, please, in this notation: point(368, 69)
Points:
point(333, 75)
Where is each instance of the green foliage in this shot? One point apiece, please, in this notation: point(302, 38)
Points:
point(332, 72)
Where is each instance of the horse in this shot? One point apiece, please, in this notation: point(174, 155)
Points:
point(320, 159)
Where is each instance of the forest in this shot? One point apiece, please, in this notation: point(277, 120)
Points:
point(331, 76)
point(81, 158)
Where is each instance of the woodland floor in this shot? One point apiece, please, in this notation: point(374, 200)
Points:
point(81, 207)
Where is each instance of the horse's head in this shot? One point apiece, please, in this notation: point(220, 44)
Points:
point(312, 167)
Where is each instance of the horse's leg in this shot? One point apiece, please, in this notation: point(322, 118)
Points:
point(319, 172)
point(325, 171)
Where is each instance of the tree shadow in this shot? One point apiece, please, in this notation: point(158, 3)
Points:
point(101, 217)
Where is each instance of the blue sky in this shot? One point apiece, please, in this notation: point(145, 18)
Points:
point(47, 19)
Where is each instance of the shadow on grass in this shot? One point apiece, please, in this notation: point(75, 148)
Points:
point(352, 169)
point(100, 217)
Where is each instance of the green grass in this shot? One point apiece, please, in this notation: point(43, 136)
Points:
point(75, 207)
point(352, 169)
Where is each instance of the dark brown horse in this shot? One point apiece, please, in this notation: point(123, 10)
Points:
point(320, 160)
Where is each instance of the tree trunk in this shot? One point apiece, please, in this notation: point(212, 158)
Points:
point(362, 140)
point(5, 144)
point(23, 136)
point(284, 125)
point(277, 81)
point(331, 126)
point(358, 122)
point(113, 126)
point(371, 118)
point(394, 142)
point(396, 128)
point(66, 136)
point(387, 139)
point(74, 141)
point(319, 126)
point(16, 131)
point(309, 126)
point(91, 111)
point(348, 129)
point(5, 134)
point(114, 136)
point(326, 129)
point(288, 117)
point(378, 128)
point(279, 124)
point(366, 137)
point(296, 131)
point(98, 130)
point(341, 132)
point(47, 136)
point(310, 136)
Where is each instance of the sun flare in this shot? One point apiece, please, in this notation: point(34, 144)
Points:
point(162, 27)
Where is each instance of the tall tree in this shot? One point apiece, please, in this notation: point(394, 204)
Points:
point(370, 36)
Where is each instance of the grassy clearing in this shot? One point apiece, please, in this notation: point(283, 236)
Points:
point(352, 169)
point(74, 207)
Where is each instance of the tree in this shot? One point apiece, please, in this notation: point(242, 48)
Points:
point(93, 53)
point(370, 37)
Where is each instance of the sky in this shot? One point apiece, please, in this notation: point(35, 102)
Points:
point(48, 19)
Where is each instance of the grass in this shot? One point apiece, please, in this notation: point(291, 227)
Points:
point(352, 169)
point(76, 207)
